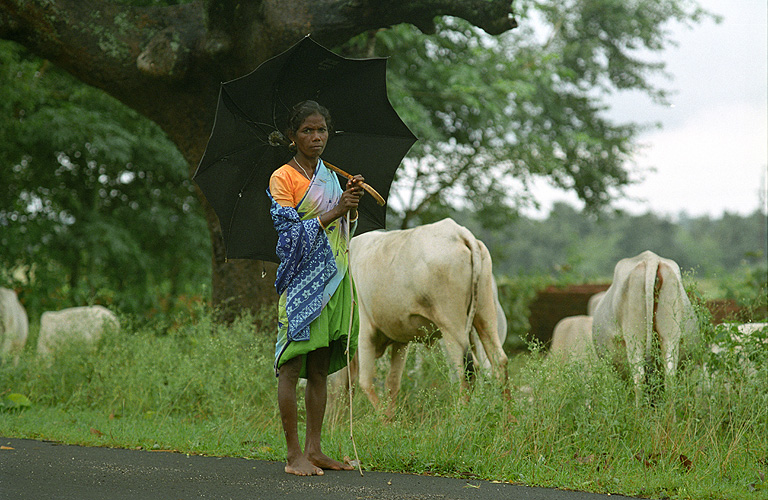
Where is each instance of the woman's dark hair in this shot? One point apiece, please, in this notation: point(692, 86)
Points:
point(303, 110)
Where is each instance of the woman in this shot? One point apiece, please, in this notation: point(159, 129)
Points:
point(314, 219)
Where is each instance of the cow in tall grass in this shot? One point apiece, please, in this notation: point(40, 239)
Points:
point(84, 325)
point(413, 283)
point(572, 340)
point(572, 335)
point(14, 326)
point(645, 305)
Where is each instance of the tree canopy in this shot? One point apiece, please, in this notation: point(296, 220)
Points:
point(493, 108)
point(99, 202)
point(493, 113)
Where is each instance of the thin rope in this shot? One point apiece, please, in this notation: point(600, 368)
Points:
point(349, 337)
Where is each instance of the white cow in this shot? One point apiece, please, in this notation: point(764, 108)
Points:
point(645, 297)
point(572, 340)
point(14, 325)
point(77, 324)
point(410, 282)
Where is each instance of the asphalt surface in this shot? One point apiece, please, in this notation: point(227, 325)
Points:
point(42, 470)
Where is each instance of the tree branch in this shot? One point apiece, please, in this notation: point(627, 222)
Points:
point(99, 41)
point(167, 62)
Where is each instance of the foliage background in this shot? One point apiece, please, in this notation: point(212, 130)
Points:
point(97, 208)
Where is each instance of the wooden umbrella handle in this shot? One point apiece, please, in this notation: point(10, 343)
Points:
point(376, 196)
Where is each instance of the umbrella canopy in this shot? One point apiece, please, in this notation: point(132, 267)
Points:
point(369, 138)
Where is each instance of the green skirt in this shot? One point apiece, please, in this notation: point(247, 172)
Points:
point(330, 329)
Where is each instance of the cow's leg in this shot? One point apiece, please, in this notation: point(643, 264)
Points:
point(670, 320)
point(352, 373)
point(397, 356)
point(366, 355)
point(455, 347)
point(340, 389)
point(633, 326)
point(636, 359)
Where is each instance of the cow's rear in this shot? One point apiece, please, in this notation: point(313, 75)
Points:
point(646, 305)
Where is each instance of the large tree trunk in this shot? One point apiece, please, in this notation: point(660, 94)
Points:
point(168, 62)
point(238, 284)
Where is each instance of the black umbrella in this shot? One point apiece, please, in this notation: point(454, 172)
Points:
point(369, 138)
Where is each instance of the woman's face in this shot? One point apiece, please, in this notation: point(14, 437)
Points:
point(312, 136)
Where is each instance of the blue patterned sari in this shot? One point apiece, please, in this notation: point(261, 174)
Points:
point(311, 275)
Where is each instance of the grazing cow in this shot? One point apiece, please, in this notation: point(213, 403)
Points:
point(572, 340)
point(645, 300)
point(77, 324)
point(410, 282)
point(14, 325)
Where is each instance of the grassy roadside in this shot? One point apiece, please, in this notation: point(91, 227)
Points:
point(198, 387)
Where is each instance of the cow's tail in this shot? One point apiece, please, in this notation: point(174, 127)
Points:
point(477, 269)
point(652, 285)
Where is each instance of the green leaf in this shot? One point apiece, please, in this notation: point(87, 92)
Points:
point(14, 401)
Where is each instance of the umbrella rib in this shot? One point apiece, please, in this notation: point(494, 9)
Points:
point(231, 153)
point(237, 200)
point(260, 126)
point(232, 105)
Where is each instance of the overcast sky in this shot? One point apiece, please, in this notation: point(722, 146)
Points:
point(711, 154)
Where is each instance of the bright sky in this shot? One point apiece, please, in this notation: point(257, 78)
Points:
point(711, 154)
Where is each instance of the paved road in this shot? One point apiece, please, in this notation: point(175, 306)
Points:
point(40, 470)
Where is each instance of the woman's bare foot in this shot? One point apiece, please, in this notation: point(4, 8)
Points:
point(302, 467)
point(325, 462)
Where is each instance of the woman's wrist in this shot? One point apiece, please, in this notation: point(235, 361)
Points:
point(328, 217)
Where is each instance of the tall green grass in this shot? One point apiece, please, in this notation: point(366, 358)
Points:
point(202, 387)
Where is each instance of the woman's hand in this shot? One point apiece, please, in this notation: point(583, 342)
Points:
point(350, 198)
point(348, 202)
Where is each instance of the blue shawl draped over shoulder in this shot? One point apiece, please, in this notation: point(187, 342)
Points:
point(307, 264)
